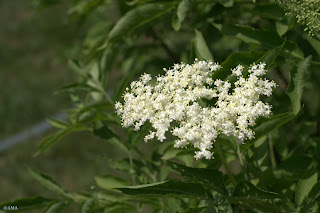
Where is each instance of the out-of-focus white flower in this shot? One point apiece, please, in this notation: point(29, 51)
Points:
point(176, 95)
point(306, 12)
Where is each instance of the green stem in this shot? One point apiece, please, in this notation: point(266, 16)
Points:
point(224, 162)
point(242, 161)
point(152, 176)
point(272, 156)
point(131, 169)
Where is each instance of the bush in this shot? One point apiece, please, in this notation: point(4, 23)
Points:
point(245, 150)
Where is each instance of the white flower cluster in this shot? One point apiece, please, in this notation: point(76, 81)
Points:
point(306, 12)
point(176, 97)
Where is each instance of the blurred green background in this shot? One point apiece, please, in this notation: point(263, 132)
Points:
point(34, 47)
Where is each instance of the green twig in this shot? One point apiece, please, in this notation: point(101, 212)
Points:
point(131, 169)
point(224, 162)
point(271, 151)
point(242, 161)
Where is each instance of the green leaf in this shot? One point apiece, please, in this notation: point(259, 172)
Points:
point(90, 112)
point(315, 191)
point(314, 43)
point(281, 28)
point(195, 210)
point(226, 3)
point(200, 46)
point(171, 153)
point(247, 195)
point(296, 166)
point(233, 60)
point(305, 185)
point(77, 67)
point(297, 81)
point(270, 11)
point(254, 1)
point(265, 38)
point(250, 35)
point(121, 165)
point(270, 56)
point(103, 106)
point(213, 178)
point(138, 17)
point(87, 206)
point(49, 183)
point(29, 203)
point(102, 131)
point(169, 188)
point(129, 67)
point(58, 124)
point(266, 125)
point(52, 139)
point(110, 181)
point(181, 13)
point(174, 204)
point(309, 206)
point(56, 207)
point(119, 207)
point(77, 87)
point(258, 154)
point(83, 8)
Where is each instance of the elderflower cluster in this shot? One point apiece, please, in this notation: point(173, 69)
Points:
point(307, 13)
point(176, 98)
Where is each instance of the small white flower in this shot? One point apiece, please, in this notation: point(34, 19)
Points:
point(175, 96)
point(238, 70)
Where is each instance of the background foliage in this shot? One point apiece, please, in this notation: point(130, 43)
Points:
point(120, 40)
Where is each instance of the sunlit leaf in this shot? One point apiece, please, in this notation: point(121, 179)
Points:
point(226, 3)
point(110, 181)
point(281, 28)
point(200, 46)
point(305, 185)
point(181, 13)
point(297, 81)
